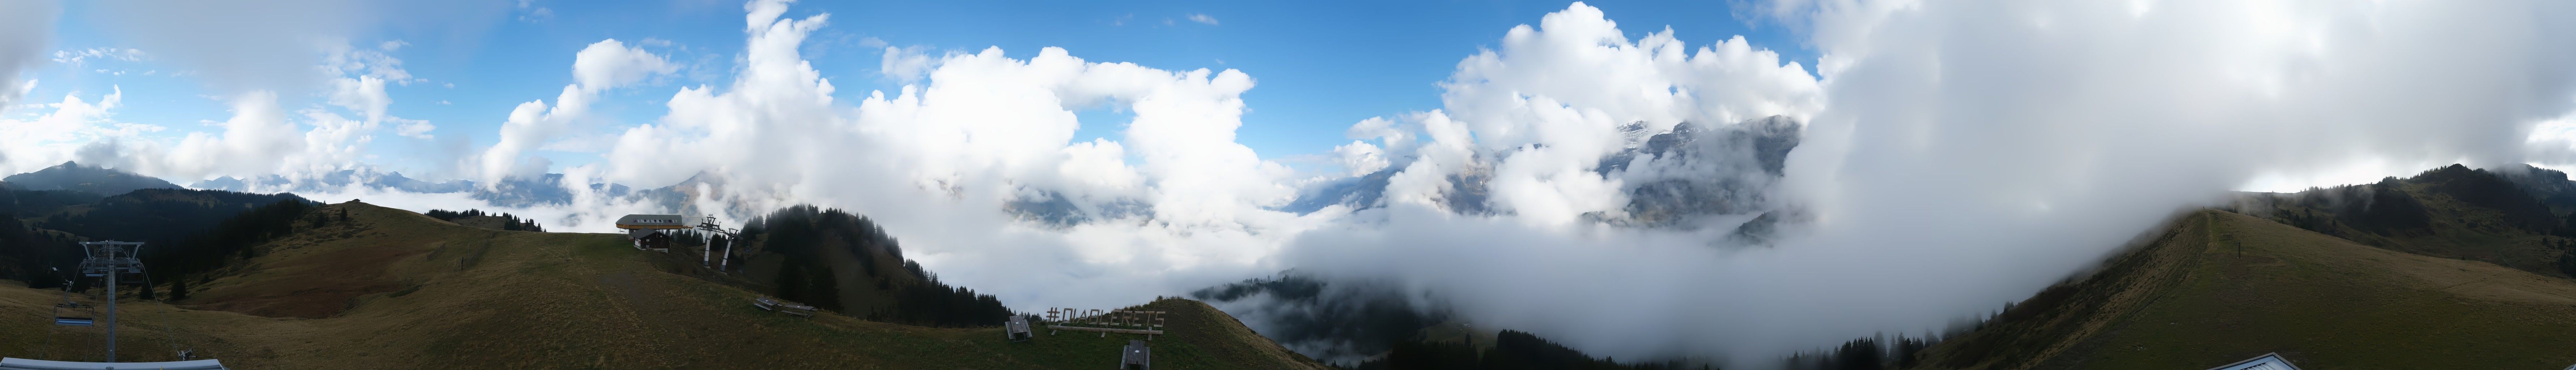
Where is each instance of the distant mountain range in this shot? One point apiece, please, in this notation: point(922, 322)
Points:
point(1691, 172)
point(515, 192)
point(74, 176)
point(1690, 175)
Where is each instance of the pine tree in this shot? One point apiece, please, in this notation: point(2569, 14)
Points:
point(826, 289)
point(2567, 263)
point(178, 289)
point(791, 282)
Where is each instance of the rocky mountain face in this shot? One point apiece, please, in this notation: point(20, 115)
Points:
point(1677, 176)
point(1691, 176)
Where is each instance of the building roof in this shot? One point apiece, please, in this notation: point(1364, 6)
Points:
point(14, 363)
point(2268, 361)
point(661, 222)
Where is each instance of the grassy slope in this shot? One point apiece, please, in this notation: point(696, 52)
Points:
point(2456, 228)
point(487, 222)
point(2465, 231)
point(2191, 300)
point(400, 290)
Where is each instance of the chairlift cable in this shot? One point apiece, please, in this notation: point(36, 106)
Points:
point(166, 330)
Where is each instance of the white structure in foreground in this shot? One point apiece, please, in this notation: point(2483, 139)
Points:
point(14, 363)
point(2268, 361)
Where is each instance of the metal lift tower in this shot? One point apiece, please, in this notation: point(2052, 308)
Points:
point(108, 260)
point(731, 236)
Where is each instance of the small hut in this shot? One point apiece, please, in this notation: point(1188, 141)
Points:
point(651, 240)
point(646, 231)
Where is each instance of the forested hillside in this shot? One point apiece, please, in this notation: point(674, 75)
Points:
point(845, 263)
point(180, 227)
point(2450, 212)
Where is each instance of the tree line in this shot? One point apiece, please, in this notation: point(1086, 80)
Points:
point(1511, 350)
point(39, 243)
point(509, 222)
point(233, 240)
point(804, 234)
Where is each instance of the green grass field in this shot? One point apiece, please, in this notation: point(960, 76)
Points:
point(2221, 287)
point(397, 290)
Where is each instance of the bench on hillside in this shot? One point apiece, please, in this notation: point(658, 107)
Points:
point(1136, 356)
point(1018, 329)
point(790, 308)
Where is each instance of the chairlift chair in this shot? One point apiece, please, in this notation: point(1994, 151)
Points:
point(75, 314)
point(71, 313)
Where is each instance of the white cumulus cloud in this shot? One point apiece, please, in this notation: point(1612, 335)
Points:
point(25, 28)
point(1956, 155)
point(597, 68)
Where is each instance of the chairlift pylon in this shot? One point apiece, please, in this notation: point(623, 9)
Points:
point(107, 260)
point(708, 256)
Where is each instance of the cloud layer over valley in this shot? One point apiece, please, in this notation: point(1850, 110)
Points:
point(1611, 186)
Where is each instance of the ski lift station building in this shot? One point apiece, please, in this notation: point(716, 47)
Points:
point(646, 231)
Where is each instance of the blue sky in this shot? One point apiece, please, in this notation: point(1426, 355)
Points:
point(1951, 131)
point(1320, 66)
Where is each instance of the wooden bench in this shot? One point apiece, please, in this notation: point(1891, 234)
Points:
point(1136, 356)
point(766, 303)
point(796, 310)
point(1018, 329)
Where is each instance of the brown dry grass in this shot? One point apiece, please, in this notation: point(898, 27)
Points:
point(396, 290)
point(2220, 287)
